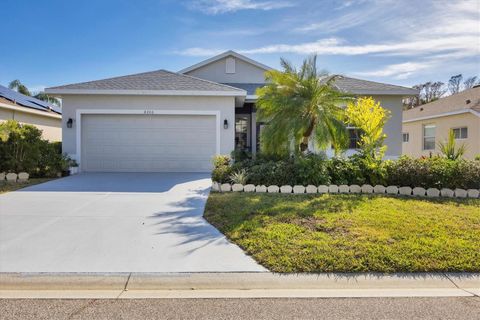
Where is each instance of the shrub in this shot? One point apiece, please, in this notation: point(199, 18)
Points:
point(435, 172)
point(221, 169)
point(239, 177)
point(345, 171)
point(312, 169)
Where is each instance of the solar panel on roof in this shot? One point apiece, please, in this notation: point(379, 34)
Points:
point(26, 101)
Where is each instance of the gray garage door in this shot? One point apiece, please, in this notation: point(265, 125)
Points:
point(143, 143)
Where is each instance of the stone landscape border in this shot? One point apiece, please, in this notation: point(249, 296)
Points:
point(335, 189)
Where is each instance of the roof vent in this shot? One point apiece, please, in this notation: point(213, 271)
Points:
point(468, 101)
point(421, 109)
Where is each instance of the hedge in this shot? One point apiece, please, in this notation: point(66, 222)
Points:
point(311, 169)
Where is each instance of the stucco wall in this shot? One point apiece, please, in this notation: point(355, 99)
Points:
point(443, 125)
point(226, 106)
point(244, 72)
point(51, 127)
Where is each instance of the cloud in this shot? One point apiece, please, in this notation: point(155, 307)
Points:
point(223, 6)
point(447, 33)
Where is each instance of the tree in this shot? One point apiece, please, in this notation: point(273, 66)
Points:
point(301, 106)
point(369, 117)
point(454, 83)
point(21, 88)
point(469, 82)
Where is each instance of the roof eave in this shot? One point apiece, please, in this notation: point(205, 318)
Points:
point(404, 93)
point(61, 92)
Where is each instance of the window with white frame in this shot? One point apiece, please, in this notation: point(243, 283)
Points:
point(460, 133)
point(429, 137)
point(405, 137)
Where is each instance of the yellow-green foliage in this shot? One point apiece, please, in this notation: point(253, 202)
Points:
point(370, 117)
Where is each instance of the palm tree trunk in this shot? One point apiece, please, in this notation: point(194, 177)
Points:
point(306, 136)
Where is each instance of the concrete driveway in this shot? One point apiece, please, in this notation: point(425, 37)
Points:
point(115, 222)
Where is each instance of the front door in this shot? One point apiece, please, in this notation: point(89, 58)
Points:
point(243, 132)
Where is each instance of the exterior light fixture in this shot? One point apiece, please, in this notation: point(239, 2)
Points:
point(69, 122)
point(225, 124)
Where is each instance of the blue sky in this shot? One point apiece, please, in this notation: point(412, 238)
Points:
point(54, 42)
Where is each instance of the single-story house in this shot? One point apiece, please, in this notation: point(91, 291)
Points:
point(176, 121)
point(29, 110)
point(427, 125)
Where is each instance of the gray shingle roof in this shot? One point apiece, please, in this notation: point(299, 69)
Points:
point(358, 86)
point(160, 80)
point(347, 84)
point(27, 101)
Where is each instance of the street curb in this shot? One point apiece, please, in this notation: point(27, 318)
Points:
point(237, 281)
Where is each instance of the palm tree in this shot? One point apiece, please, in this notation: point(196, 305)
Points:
point(18, 86)
point(300, 106)
point(449, 148)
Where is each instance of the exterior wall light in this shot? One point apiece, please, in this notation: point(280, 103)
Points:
point(69, 122)
point(225, 124)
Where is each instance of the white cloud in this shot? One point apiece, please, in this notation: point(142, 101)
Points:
point(223, 6)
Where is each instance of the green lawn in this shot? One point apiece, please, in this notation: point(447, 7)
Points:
point(350, 233)
point(7, 187)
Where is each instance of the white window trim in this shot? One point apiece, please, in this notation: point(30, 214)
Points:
point(423, 136)
point(80, 112)
point(408, 135)
point(466, 127)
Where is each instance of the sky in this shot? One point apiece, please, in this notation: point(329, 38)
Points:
point(405, 42)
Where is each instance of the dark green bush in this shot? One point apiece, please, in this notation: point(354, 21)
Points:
point(345, 171)
point(435, 172)
point(23, 149)
point(312, 169)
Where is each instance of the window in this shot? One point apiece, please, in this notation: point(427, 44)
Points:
point(460, 133)
point(241, 132)
point(429, 137)
point(354, 138)
point(405, 137)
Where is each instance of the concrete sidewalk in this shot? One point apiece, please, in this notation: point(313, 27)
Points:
point(236, 285)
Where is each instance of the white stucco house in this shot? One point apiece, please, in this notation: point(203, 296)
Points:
point(176, 121)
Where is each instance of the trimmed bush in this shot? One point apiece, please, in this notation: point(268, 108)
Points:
point(435, 172)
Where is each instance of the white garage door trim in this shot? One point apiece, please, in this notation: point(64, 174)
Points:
point(81, 112)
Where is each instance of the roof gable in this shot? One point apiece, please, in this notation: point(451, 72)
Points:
point(223, 56)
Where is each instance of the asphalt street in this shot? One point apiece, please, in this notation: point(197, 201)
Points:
point(305, 308)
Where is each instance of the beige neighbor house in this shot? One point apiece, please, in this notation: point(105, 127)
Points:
point(29, 110)
point(176, 121)
point(427, 125)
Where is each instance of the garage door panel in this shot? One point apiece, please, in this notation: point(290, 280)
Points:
point(137, 143)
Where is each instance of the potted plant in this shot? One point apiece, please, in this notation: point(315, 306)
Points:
point(73, 167)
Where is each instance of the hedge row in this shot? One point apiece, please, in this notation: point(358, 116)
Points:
point(435, 172)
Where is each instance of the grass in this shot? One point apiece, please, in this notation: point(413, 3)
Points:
point(351, 233)
point(7, 187)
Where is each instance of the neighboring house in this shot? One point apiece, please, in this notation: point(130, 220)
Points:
point(167, 121)
point(427, 125)
point(29, 110)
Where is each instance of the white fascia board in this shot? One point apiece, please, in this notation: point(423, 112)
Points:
point(445, 114)
point(31, 111)
point(223, 55)
point(251, 97)
point(232, 93)
point(383, 92)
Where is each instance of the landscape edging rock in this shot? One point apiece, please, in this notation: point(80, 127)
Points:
point(354, 189)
